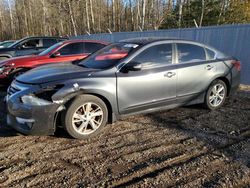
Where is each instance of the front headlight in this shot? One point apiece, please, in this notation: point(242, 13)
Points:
point(34, 101)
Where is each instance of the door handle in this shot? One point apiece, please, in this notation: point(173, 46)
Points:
point(209, 67)
point(170, 74)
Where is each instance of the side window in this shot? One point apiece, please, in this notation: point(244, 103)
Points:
point(190, 53)
point(48, 42)
point(155, 56)
point(32, 43)
point(91, 47)
point(72, 49)
point(210, 54)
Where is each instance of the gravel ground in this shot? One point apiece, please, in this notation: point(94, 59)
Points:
point(184, 147)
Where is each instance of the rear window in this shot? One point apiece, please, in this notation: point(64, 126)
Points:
point(190, 53)
point(210, 54)
point(91, 47)
point(49, 42)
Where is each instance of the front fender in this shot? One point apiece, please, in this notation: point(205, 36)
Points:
point(95, 86)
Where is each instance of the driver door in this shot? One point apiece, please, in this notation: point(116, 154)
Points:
point(68, 53)
point(151, 87)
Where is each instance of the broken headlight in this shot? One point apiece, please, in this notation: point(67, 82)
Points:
point(34, 101)
point(41, 98)
point(47, 92)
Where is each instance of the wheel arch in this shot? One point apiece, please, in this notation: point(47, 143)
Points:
point(111, 115)
point(226, 81)
point(5, 56)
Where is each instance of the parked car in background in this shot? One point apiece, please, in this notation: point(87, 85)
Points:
point(28, 46)
point(6, 44)
point(124, 78)
point(66, 51)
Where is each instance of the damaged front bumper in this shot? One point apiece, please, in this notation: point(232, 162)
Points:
point(31, 119)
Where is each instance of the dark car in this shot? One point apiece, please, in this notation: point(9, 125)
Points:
point(28, 46)
point(66, 51)
point(124, 78)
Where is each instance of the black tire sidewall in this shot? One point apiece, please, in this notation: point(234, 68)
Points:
point(207, 103)
point(76, 103)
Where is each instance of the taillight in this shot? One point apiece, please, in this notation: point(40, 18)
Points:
point(237, 65)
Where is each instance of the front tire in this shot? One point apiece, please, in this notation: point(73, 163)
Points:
point(215, 95)
point(85, 117)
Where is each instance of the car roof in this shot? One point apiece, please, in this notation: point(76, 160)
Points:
point(82, 40)
point(44, 37)
point(146, 40)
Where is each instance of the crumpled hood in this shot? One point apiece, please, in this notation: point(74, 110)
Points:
point(51, 73)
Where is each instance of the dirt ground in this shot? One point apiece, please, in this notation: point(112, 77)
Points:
point(184, 147)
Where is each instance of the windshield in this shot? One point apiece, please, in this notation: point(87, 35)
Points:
point(48, 50)
point(108, 56)
point(15, 43)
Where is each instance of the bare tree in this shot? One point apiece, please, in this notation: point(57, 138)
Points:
point(202, 12)
point(45, 31)
point(113, 15)
point(143, 14)
point(87, 15)
point(12, 27)
point(180, 12)
point(92, 15)
point(72, 17)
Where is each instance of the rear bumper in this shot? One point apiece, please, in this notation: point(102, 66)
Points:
point(233, 90)
point(235, 82)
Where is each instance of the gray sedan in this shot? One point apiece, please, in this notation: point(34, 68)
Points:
point(124, 78)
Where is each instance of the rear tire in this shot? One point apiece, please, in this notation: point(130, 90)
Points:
point(85, 117)
point(216, 95)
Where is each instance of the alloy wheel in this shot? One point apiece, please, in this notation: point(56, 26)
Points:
point(87, 118)
point(217, 95)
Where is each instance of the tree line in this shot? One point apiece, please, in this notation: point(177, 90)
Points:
point(19, 18)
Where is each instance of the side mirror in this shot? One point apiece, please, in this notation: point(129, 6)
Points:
point(131, 66)
point(56, 54)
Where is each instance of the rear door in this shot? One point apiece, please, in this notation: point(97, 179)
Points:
point(195, 70)
point(72, 52)
point(151, 87)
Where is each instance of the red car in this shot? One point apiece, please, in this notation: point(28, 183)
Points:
point(65, 51)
